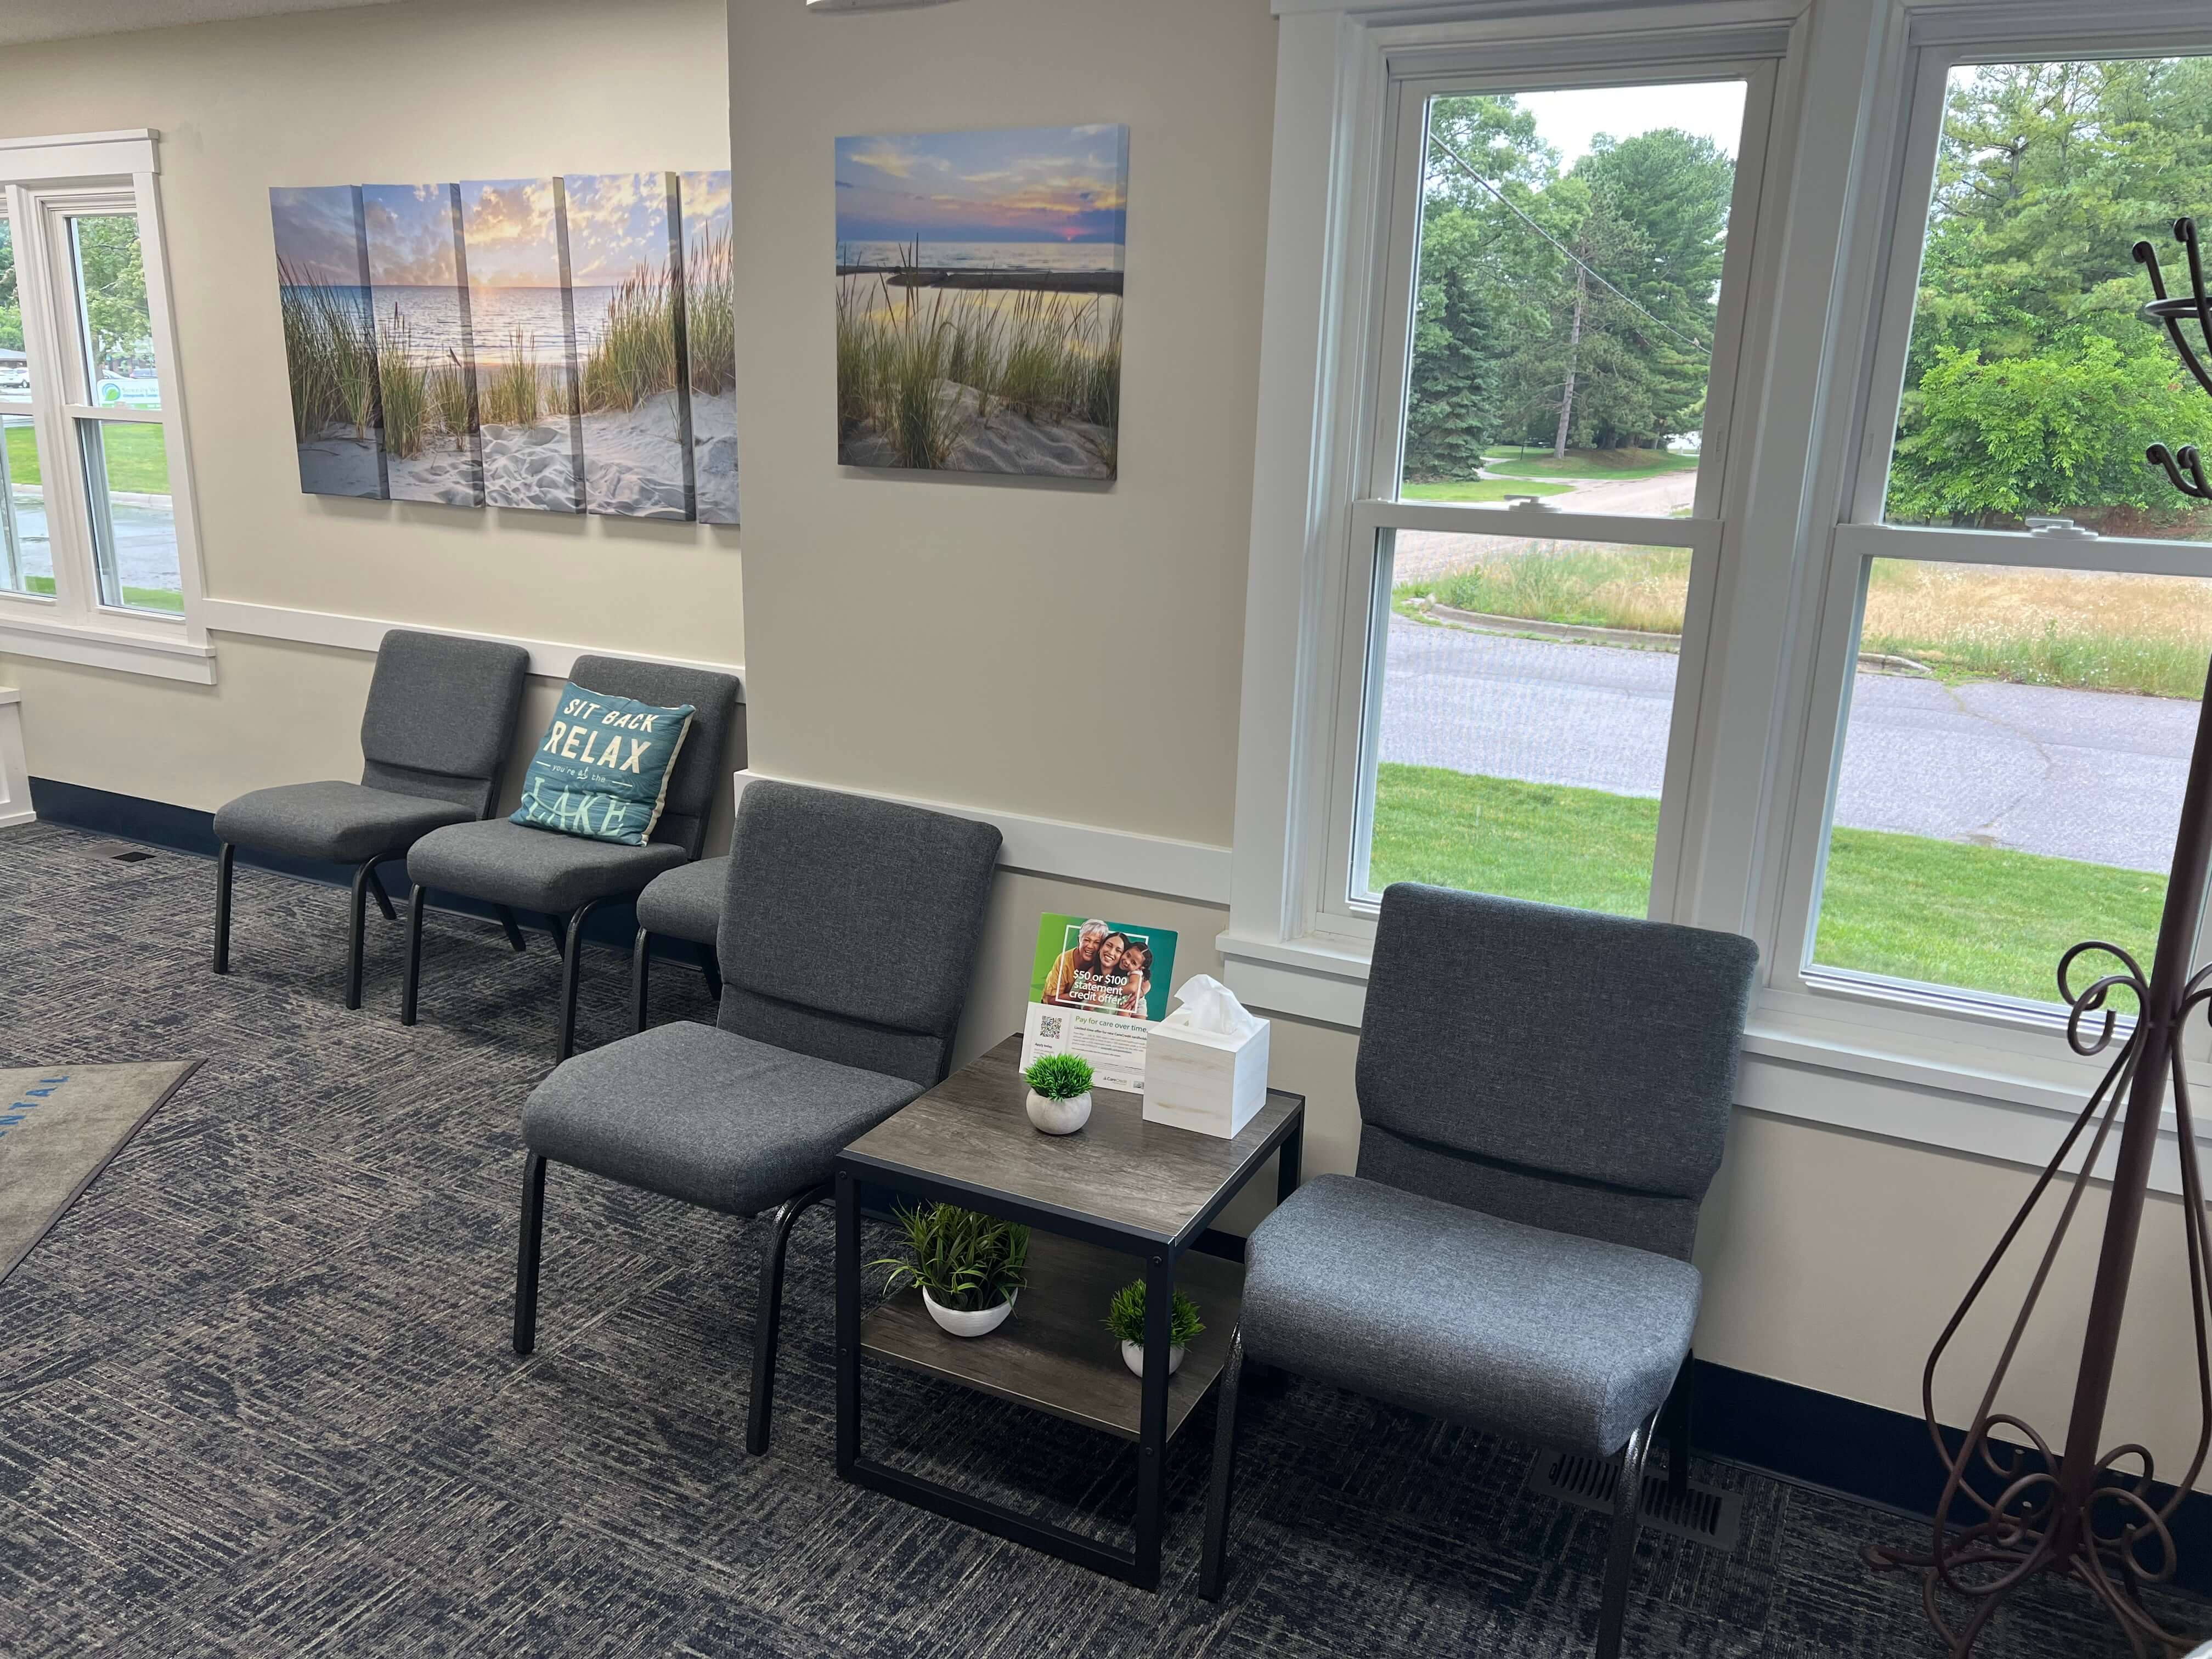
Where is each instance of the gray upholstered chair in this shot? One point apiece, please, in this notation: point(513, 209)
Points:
point(686, 903)
point(848, 935)
point(566, 877)
point(433, 739)
point(1543, 1096)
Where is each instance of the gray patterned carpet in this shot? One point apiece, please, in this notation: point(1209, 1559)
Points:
point(256, 1396)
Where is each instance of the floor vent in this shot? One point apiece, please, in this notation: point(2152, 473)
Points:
point(136, 855)
point(1704, 1515)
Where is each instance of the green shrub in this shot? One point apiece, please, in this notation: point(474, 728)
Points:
point(1125, 1317)
point(1059, 1077)
point(967, 1260)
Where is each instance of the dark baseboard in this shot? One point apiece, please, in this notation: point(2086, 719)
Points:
point(1865, 1453)
point(184, 830)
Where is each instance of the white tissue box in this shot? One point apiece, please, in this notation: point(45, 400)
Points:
point(1203, 1080)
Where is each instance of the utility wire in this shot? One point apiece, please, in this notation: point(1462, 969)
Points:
point(1438, 143)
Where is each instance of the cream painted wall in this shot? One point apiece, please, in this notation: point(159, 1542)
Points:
point(1068, 651)
point(398, 93)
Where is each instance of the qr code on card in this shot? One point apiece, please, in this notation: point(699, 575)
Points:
point(1048, 1028)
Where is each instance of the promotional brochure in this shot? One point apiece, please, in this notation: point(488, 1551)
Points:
point(1094, 987)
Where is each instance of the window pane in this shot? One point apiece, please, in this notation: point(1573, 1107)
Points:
point(27, 558)
point(1519, 743)
point(15, 367)
point(112, 314)
point(1568, 286)
point(2011, 772)
point(2031, 386)
point(134, 523)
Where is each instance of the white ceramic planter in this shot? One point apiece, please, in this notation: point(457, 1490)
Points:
point(1132, 1356)
point(953, 1322)
point(1060, 1117)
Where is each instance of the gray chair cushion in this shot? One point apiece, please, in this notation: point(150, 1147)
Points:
point(702, 770)
point(706, 1116)
point(1597, 1047)
point(507, 863)
point(685, 902)
point(1541, 1336)
point(440, 715)
point(846, 918)
point(342, 823)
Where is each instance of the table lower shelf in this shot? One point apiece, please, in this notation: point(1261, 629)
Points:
point(1054, 1355)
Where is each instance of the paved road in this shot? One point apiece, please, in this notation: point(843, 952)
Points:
point(145, 543)
point(1422, 553)
point(2080, 774)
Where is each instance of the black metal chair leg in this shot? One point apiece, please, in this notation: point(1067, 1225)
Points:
point(640, 960)
point(222, 868)
point(513, 933)
point(1675, 1418)
point(768, 1316)
point(414, 977)
point(528, 1253)
point(1212, 1567)
point(712, 969)
point(571, 966)
point(355, 916)
point(559, 929)
point(1621, 1561)
point(383, 899)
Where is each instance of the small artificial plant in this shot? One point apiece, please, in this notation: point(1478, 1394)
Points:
point(1125, 1317)
point(968, 1261)
point(1059, 1077)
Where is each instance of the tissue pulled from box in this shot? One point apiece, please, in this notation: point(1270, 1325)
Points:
point(1210, 1005)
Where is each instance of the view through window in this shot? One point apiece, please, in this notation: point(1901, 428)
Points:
point(2018, 739)
point(1566, 297)
point(27, 562)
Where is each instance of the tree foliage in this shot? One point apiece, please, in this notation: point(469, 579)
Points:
point(1512, 248)
point(2031, 386)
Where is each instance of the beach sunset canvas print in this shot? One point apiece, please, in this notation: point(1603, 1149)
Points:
point(330, 344)
point(979, 301)
point(426, 374)
point(561, 345)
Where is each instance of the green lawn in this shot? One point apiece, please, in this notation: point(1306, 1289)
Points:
point(1517, 461)
point(1979, 917)
point(142, 598)
point(1479, 489)
point(137, 462)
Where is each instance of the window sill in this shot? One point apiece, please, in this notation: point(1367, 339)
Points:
point(164, 655)
point(1980, 1090)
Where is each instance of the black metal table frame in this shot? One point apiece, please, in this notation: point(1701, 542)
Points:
point(1159, 1254)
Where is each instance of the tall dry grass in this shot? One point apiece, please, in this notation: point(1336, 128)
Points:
point(634, 356)
point(1053, 358)
point(2090, 630)
point(329, 355)
point(404, 382)
point(517, 390)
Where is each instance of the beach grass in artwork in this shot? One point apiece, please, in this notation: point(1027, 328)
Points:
point(710, 316)
point(522, 325)
point(979, 301)
point(330, 339)
point(623, 241)
point(424, 355)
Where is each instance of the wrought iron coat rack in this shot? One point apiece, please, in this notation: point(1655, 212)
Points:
point(2011, 1509)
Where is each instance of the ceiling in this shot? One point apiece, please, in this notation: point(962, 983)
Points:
point(25, 20)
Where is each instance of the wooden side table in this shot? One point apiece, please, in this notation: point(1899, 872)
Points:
point(1119, 1188)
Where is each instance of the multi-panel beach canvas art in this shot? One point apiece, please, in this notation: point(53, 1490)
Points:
point(979, 299)
point(565, 344)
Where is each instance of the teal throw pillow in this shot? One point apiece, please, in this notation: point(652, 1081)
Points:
point(603, 769)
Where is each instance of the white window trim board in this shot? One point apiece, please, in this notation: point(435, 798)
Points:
point(14, 769)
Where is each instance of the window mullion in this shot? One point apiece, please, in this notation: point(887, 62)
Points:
point(45, 334)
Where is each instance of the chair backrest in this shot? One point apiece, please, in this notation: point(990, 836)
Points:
point(441, 716)
point(1557, 1068)
point(850, 925)
point(701, 771)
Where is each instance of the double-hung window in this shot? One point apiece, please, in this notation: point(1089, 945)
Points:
point(1535, 485)
point(98, 554)
point(2018, 614)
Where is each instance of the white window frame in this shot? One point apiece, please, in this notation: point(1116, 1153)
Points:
point(43, 182)
point(1781, 624)
point(1936, 41)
